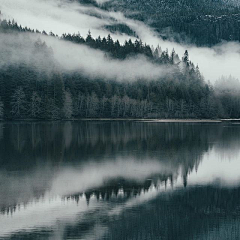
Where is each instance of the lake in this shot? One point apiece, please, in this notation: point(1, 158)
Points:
point(119, 180)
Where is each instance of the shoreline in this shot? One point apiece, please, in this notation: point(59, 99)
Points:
point(153, 120)
point(130, 120)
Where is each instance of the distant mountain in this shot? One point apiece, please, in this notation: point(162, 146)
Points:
point(203, 22)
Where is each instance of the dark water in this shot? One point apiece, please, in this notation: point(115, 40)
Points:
point(119, 180)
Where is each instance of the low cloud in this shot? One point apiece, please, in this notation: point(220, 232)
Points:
point(222, 59)
point(101, 1)
point(74, 57)
point(61, 16)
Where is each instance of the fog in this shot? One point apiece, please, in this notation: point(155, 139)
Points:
point(62, 16)
point(74, 57)
point(101, 1)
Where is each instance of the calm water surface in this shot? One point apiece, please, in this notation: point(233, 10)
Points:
point(119, 180)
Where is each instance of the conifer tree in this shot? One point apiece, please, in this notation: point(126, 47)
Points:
point(67, 105)
point(186, 58)
point(19, 103)
point(35, 105)
point(1, 109)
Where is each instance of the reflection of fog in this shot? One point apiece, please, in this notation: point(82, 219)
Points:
point(212, 170)
point(16, 188)
point(94, 175)
point(22, 187)
point(45, 214)
point(73, 157)
point(228, 146)
point(70, 219)
point(52, 173)
point(67, 213)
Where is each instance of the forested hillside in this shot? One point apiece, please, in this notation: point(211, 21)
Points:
point(40, 89)
point(202, 22)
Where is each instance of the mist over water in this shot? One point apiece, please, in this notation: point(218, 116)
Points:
point(83, 179)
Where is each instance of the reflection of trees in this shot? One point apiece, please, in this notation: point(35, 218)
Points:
point(30, 145)
point(202, 212)
point(24, 143)
point(182, 214)
point(1, 131)
point(19, 189)
point(192, 213)
point(228, 145)
point(118, 188)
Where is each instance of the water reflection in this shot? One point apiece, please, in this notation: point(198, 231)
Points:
point(119, 180)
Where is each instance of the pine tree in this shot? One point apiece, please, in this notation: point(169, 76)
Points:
point(35, 105)
point(89, 40)
point(198, 74)
point(53, 111)
point(67, 105)
point(19, 103)
point(93, 105)
point(110, 42)
point(186, 58)
point(1, 109)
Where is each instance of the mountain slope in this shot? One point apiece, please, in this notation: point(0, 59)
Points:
point(203, 22)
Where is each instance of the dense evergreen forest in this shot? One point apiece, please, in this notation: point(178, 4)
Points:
point(28, 91)
point(202, 22)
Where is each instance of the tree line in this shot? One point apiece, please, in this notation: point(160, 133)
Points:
point(31, 92)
